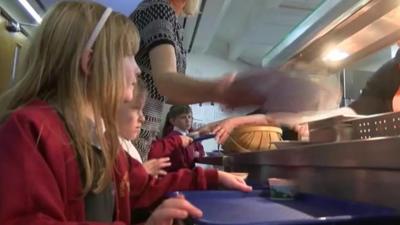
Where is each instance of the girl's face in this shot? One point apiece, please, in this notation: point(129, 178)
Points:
point(131, 71)
point(183, 121)
point(130, 119)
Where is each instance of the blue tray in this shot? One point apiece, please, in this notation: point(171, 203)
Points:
point(255, 208)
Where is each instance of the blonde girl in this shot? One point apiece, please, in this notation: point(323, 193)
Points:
point(57, 165)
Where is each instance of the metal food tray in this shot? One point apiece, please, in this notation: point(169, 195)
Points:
point(341, 128)
point(329, 122)
point(331, 129)
point(380, 125)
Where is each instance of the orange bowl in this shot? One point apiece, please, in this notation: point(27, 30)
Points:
point(252, 139)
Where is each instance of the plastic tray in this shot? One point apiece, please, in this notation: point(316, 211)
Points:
point(255, 208)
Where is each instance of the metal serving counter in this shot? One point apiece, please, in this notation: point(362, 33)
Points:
point(359, 170)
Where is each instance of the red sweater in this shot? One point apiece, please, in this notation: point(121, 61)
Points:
point(40, 180)
point(39, 176)
point(170, 146)
point(147, 190)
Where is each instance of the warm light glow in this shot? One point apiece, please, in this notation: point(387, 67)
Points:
point(336, 55)
point(31, 10)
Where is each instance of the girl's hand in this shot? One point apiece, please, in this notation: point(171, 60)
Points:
point(233, 182)
point(155, 167)
point(173, 208)
point(185, 140)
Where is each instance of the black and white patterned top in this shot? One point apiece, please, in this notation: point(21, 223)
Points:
point(158, 24)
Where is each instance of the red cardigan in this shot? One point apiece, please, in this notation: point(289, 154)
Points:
point(148, 192)
point(170, 146)
point(39, 176)
point(40, 180)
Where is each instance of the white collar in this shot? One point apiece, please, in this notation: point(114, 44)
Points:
point(183, 132)
point(128, 147)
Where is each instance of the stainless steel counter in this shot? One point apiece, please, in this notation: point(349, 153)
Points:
point(360, 170)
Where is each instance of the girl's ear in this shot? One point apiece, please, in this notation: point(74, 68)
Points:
point(172, 121)
point(85, 61)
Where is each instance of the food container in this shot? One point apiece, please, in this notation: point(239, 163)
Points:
point(331, 129)
point(342, 128)
point(378, 125)
point(252, 139)
point(281, 189)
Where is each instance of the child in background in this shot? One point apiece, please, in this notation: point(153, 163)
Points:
point(130, 118)
point(154, 167)
point(57, 165)
point(148, 191)
point(178, 123)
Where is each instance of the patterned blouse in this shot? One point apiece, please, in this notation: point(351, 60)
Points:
point(158, 24)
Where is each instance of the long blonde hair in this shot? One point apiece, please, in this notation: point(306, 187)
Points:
point(52, 72)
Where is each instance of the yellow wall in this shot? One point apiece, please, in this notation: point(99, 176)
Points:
point(8, 43)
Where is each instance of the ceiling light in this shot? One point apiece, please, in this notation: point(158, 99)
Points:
point(31, 10)
point(335, 55)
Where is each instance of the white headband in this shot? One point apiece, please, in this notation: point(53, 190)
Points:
point(98, 28)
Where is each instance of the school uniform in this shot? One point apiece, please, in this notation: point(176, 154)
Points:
point(147, 189)
point(40, 179)
point(171, 146)
point(130, 149)
point(147, 192)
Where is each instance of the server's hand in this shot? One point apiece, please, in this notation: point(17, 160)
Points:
point(276, 91)
point(303, 132)
point(223, 130)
